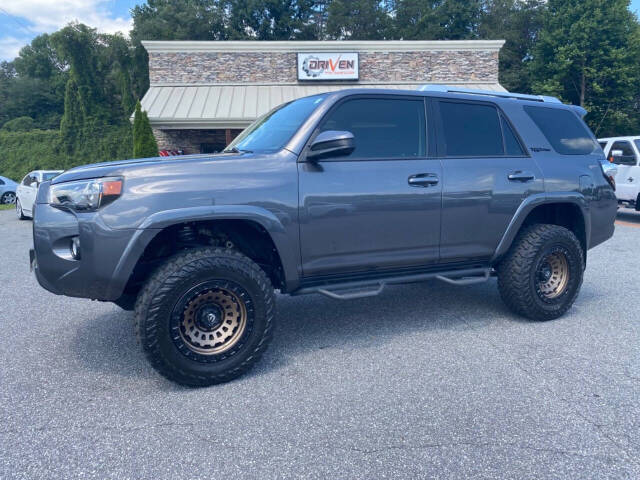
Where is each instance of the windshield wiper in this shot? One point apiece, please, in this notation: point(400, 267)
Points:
point(236, 150)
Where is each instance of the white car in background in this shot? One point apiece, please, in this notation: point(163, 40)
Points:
point(28, 188)
point(624, 153)
point(7, 191)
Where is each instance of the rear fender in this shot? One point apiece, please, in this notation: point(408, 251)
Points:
point(533, 201)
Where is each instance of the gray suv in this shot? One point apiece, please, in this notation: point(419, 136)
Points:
point(338, 194)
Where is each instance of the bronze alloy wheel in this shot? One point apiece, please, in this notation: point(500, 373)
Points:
point(552, 275)
point(213, 320)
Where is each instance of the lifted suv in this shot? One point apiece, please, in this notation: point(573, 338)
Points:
point(339, 194)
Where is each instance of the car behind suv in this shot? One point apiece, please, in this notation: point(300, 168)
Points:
point(624, 153)
point(27, 190)
point(340, 194)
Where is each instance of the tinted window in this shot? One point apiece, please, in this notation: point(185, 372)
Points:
point(274, 129)
point(563, 129)
point(383, 128)
point(628, 156)
point(48, 176)
point(602, 144)
point(26, 180)
point(511, 143)
point(1, 182)
point(471, 130)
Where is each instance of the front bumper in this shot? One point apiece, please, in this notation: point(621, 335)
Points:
point(102, 270)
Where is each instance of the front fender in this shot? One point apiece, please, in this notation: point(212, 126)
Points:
point(533, 201)
point(152, 225)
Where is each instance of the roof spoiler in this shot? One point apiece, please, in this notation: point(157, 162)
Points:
point(579, 110)
point(488, 93)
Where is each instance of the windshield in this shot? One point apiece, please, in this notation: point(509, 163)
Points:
point(274, 129)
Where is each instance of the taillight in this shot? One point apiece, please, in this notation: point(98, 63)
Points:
point(609, 177)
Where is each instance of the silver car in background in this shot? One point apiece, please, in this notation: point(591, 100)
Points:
point(28, 188)
point(7, 191)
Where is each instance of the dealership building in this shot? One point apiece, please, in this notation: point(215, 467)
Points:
point(202, 94)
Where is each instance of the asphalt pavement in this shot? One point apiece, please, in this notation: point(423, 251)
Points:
point(424, 381)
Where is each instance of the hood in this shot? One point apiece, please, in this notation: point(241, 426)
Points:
point(120, 167)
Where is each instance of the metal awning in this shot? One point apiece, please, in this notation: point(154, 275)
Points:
point(200, 106)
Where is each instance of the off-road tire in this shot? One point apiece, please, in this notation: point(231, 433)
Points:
point(156, 307)
point(517, 272)
point(20, 214)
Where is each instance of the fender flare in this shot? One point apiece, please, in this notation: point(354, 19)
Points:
point(156, 222)
point(536, 200)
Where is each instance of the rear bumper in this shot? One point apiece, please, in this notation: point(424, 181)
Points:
point(102, 270)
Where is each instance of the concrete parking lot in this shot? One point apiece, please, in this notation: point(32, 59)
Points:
point(426, 380)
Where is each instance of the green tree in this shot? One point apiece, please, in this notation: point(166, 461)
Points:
point(518, 22)
point(39, 59)
point(144, 143)
point(270, 19)
point(587, 54)
point(359, 20)
point(437, 19)
point(71, 125)
point(77, 45)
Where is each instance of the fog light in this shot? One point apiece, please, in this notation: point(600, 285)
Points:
point(75, 248)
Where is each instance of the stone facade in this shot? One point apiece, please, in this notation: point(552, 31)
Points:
point(192, 141)
point(280, 67)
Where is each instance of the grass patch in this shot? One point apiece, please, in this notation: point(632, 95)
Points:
point(9, 206)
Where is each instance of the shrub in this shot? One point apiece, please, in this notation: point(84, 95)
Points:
point(20, 124)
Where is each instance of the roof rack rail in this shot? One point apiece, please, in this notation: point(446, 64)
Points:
point(470, 91)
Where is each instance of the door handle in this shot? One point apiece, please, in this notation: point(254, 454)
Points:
point(630, 179)
point(423, 179)
point(519, 176)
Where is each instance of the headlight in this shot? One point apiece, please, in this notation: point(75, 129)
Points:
point(85, 195)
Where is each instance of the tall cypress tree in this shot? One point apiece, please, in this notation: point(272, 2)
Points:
point(72, 120)
point(144, 143)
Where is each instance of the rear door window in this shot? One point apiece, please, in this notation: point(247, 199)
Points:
point(511, 144)
point(476, 130)
point(470, 130)
point(382, 127)
point(563, 129)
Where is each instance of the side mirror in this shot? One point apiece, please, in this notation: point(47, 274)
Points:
point(331, 143)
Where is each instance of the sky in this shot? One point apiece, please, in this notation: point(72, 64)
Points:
point(21, 20)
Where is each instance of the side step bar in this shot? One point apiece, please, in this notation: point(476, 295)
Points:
point(371, 288)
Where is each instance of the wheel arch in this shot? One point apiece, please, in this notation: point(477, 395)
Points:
point(567, 209)
point(266, 232)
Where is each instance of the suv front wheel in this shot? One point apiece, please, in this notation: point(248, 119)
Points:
point(206, 316)
point(541, 275)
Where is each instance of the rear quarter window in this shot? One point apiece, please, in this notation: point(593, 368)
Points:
point(563, 129)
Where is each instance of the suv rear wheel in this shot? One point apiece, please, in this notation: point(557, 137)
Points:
point(206, 316)
point(542, 273)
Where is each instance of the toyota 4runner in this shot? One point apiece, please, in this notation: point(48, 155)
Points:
point(340, 194)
